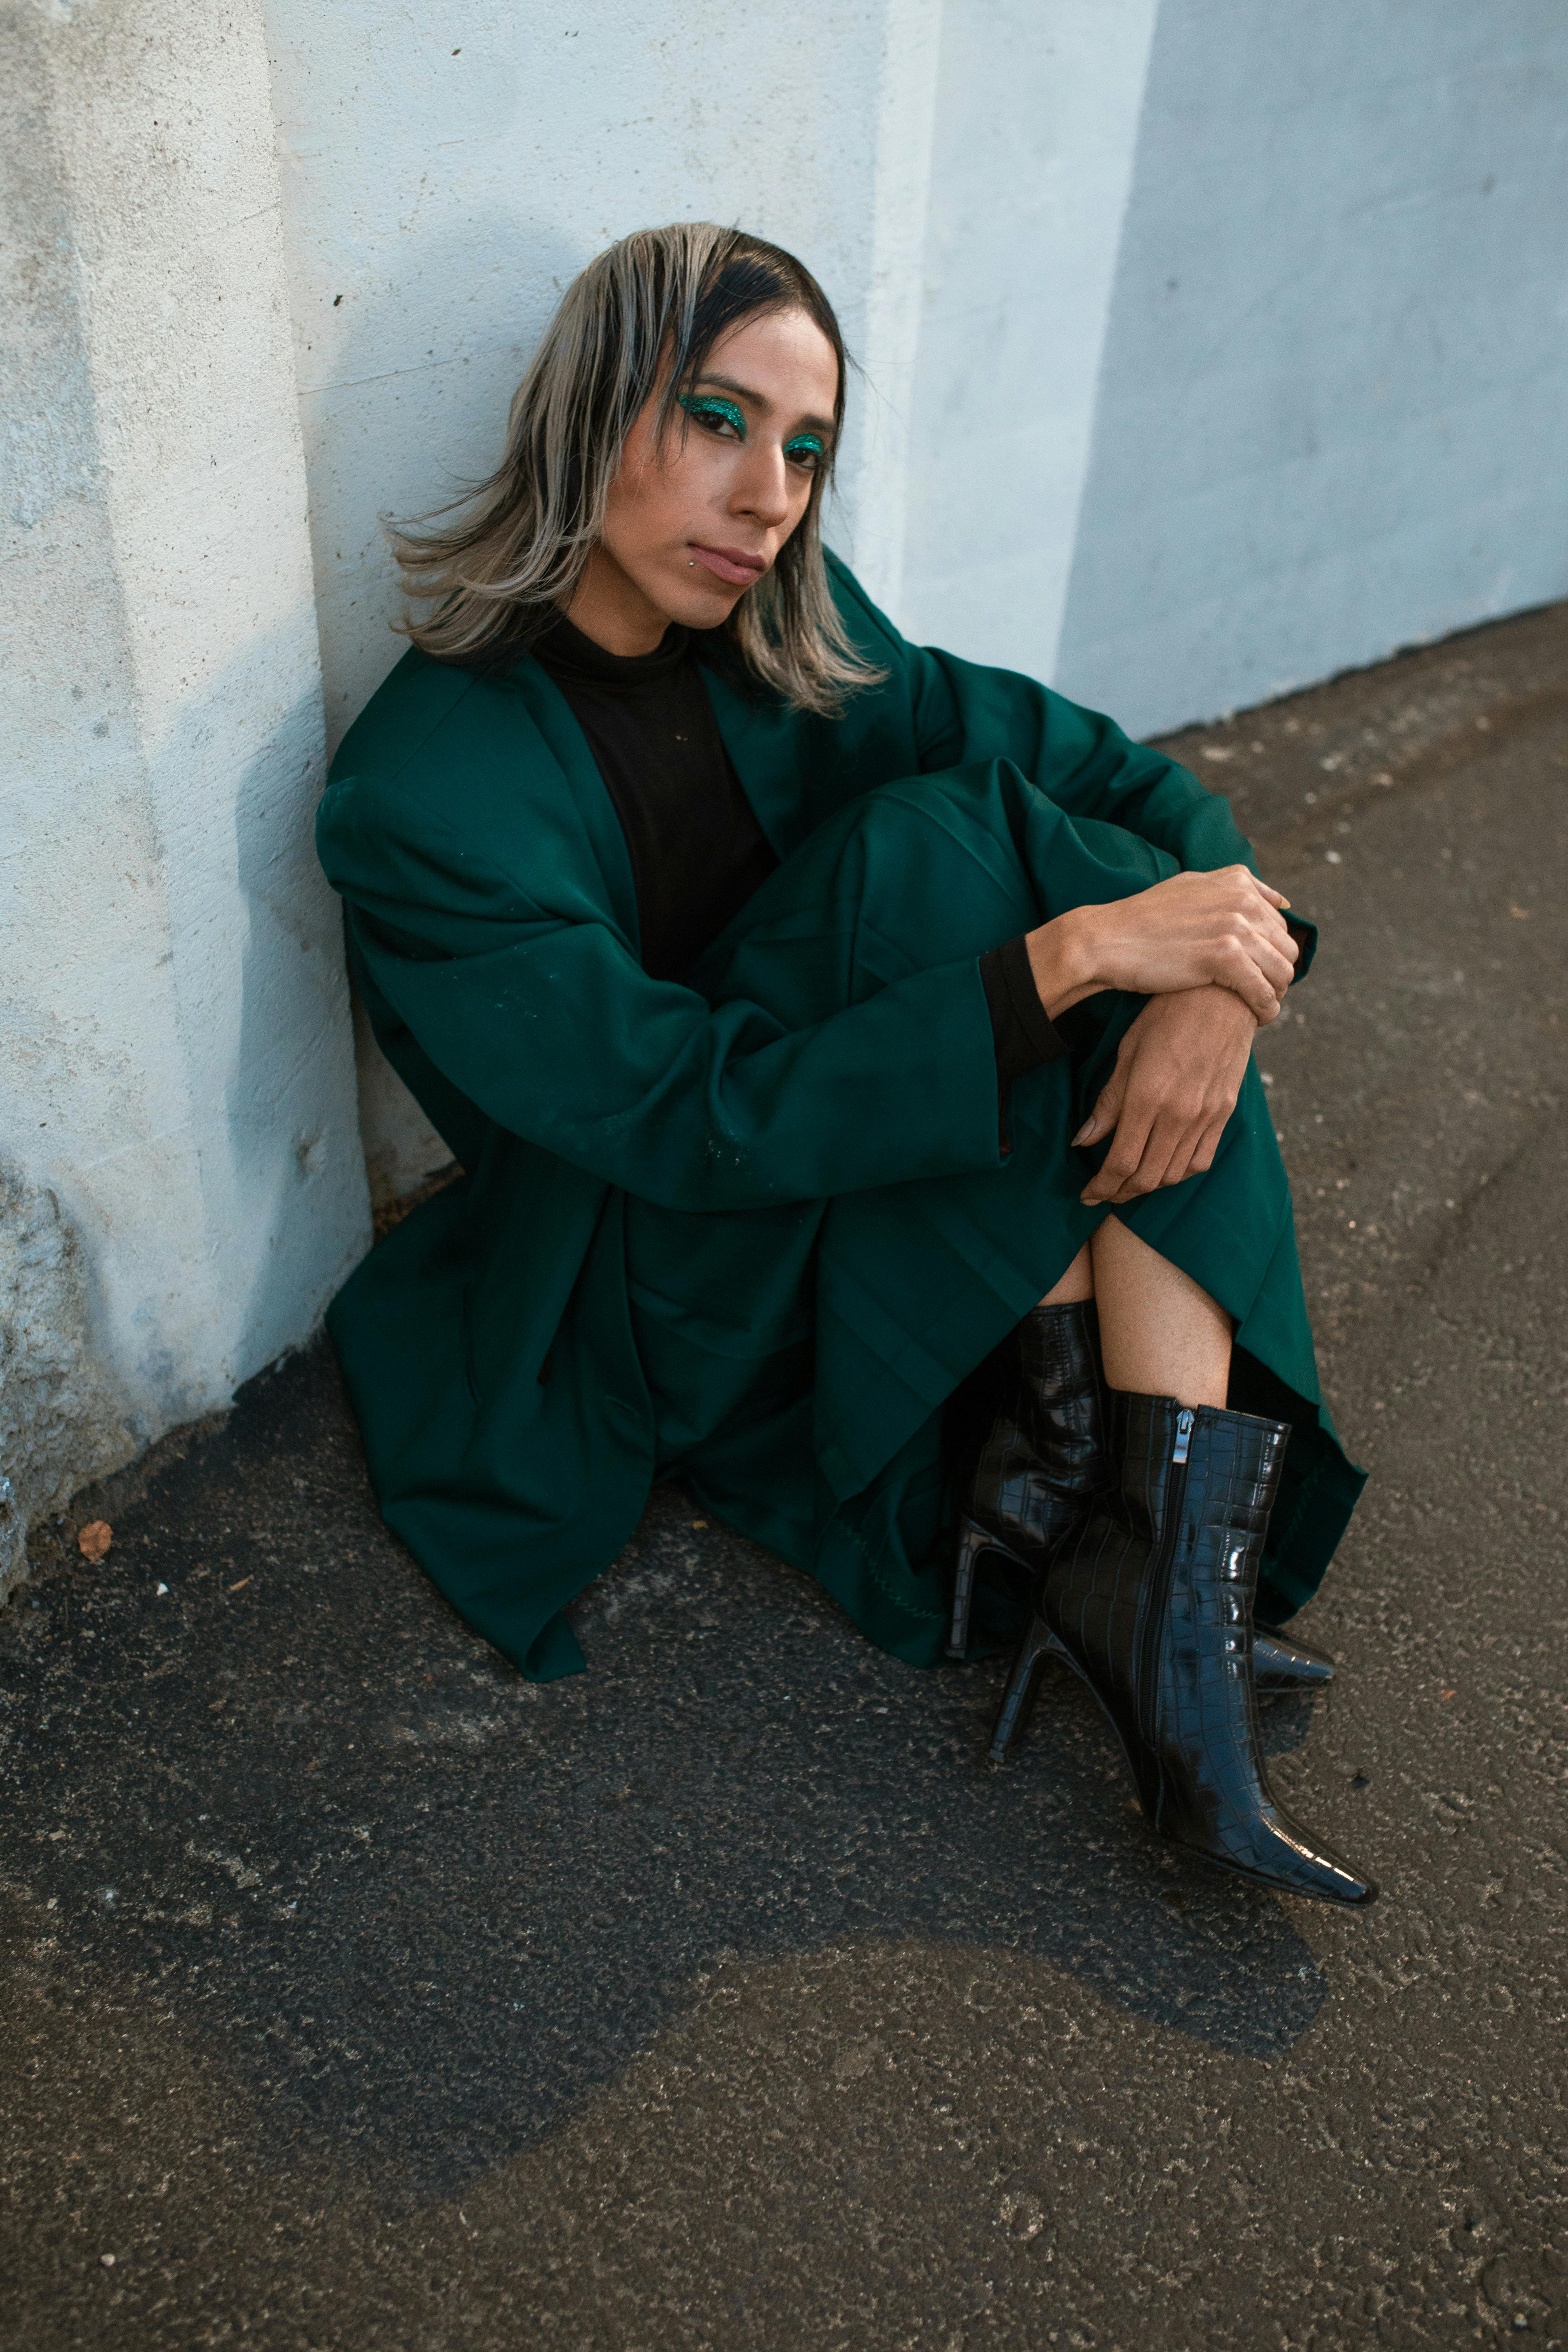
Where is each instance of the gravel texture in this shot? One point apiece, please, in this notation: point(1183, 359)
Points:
point(364, 1995)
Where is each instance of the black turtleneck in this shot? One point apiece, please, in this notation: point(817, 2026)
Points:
point(697, 850)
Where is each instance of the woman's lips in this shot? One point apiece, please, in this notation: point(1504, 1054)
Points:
point(729, 563)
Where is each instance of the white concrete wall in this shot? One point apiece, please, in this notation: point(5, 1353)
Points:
point(1211, 348)
point(446, 172)
point(183, 1188)
point(1036, 138)
point(1328, 416)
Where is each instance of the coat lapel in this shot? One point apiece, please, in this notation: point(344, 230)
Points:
point(762, 740)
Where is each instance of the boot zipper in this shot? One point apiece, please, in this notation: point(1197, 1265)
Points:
point(1160, 1574)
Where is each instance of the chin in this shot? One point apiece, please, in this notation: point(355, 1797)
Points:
point(704, 604)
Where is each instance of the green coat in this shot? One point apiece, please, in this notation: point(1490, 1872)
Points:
point(780, 1190)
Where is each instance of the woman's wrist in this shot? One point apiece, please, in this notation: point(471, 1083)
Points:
point(1061, 961)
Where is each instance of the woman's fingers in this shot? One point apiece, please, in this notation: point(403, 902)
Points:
point(1232, 967)
point(1174, 1152)
point(1165, 1147)
point(1278, 967)
point(1267, 889)
point(1106, 1109)
point(1170, 1097)
point(1121, 1161)
point(1209, 1142)
point(1258, 921)
point(1154, 1137)
point(1196, 1156)
point(1153, 1169)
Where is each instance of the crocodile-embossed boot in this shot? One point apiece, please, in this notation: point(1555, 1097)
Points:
point(1045, 1459)
point(1151, 1603)
point(1283, 1662)
point(1041, 1466)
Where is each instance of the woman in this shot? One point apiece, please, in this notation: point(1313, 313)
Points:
point(826, 1028)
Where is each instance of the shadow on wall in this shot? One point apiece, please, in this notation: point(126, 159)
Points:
point(207, 1192)
point(295, 1180)
point(386, 442)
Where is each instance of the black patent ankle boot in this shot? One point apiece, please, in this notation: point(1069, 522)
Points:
point(1045, 1459)
point(1040, 1468)
point(1151, 1603)
point(1283, 1662)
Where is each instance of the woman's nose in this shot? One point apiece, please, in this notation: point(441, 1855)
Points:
point(761, 489)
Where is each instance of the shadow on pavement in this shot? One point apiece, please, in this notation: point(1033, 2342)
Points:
point(423, 1907)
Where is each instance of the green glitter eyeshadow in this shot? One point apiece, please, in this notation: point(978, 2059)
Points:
point(705, 404)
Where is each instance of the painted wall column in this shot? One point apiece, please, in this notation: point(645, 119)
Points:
point(183, 1186)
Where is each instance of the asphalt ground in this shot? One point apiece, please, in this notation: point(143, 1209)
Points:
point(361, 1995)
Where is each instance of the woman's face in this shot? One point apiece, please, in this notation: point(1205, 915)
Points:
point(691, 526)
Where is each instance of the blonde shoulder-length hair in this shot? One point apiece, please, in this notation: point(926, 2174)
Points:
point(641, 319)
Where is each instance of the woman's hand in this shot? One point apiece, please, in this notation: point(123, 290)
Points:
point(1173, 1087)
point(1196, 931)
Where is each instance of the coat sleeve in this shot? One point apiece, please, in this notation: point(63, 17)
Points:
point(548, 1024)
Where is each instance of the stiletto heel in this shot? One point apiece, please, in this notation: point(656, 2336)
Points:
point(1023, 1688)
point(972, 1539)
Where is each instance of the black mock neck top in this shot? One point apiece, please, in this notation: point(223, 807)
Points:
point(697, 850)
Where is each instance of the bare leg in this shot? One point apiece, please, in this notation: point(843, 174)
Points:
point(1076, 1283)
point(1159, 1333)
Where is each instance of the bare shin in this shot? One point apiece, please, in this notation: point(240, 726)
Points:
point(1159, 1333)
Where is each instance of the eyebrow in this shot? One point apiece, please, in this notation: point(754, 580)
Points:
point(764, 406)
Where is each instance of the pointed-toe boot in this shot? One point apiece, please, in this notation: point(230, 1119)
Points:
point(1283, 1662)
point(1045, 1459)
point(1040, 1469)
point(1150, 1603)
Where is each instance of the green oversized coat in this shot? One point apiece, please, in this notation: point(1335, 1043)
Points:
point(759, 1224)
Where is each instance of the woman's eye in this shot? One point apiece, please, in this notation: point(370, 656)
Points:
point(808, 451)
point(715, 415)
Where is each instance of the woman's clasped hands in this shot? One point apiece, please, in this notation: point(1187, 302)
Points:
point(1214, 955)
point(1225, 929)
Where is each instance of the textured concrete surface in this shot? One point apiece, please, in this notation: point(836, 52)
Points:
point(61, 1421)
point(361, 1995)
point(1330, 421)
point(183, 1186)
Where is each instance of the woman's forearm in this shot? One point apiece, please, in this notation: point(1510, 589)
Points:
point(1062, 960)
